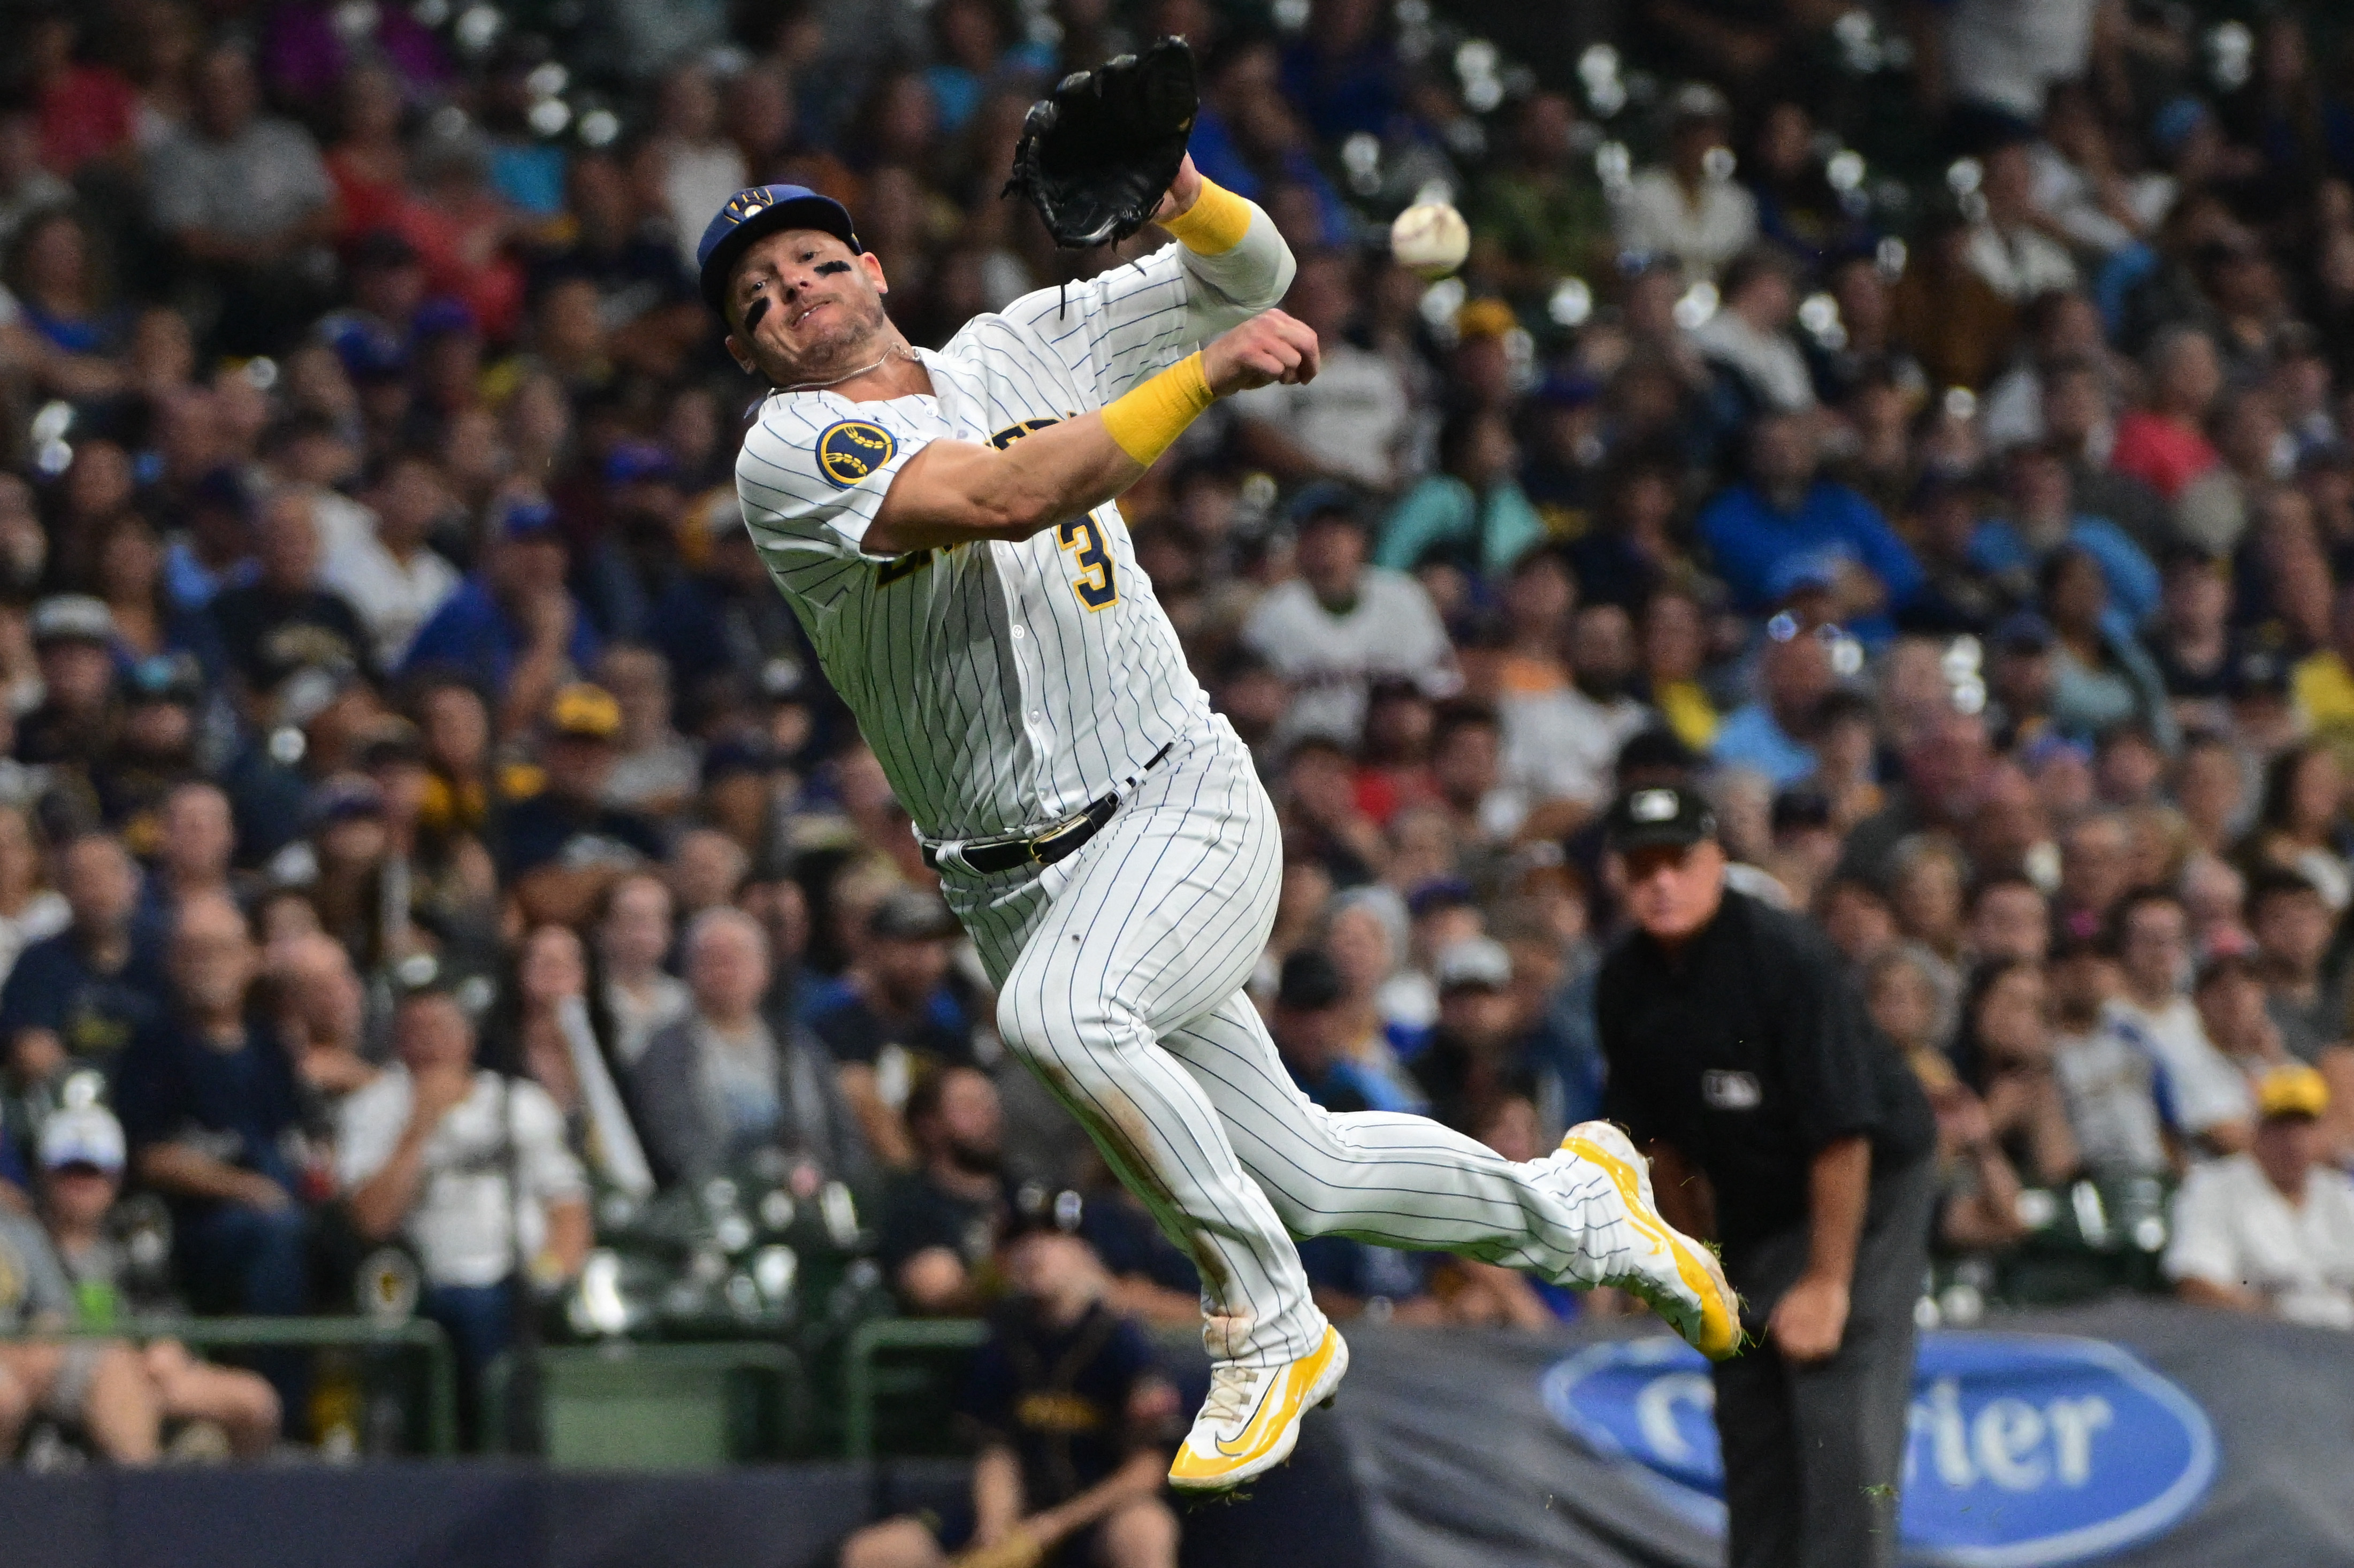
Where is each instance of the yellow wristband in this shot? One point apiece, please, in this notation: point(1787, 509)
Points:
point(1144, 422)
point(1214, 224)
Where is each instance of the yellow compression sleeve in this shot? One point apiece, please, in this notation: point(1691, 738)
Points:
point(1214, 224)
point(1143, 422)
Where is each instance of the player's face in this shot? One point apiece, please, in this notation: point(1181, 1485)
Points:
point(803, 303)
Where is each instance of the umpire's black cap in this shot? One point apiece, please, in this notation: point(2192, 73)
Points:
point(763, 210)
point(1659, 814)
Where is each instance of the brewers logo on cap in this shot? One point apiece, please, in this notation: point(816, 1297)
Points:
point(850, 451)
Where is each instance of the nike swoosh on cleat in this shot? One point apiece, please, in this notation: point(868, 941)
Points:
point(1243, 1443)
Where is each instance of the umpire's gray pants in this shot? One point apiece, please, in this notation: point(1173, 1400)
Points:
point(1813, 1455)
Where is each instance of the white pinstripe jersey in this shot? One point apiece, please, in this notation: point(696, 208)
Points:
point(1002, 686)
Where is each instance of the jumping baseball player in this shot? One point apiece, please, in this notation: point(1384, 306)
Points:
point(942, 522)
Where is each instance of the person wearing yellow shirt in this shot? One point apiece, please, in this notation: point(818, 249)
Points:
point(1675, 643)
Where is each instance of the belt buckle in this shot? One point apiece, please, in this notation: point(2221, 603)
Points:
point(1035, 847)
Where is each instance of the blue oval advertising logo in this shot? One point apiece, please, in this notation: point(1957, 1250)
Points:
point(2026, 1451)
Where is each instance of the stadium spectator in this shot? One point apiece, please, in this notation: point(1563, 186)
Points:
point(941, 1222)
point(513, 628)
point(725, 1079)
point(2271, 1229)
point(245, 200)
point(1071, 1414)
point(1351, 421)
point(80, 997)
point(562, 843)
point(1309, 1021)
point(387, 571)
point(470, 1167)
point(632, 941)
point(1340, 624)
point(1787, 528)
point(210, 1105)
point(2293, 926)
point(81, 1159)
point(1690, 208)
point(894, 1016)
point(2204, 1097)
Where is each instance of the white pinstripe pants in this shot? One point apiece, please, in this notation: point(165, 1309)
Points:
point(1121, 975)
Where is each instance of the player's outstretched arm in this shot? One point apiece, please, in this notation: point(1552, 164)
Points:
point(1235, 262)
point(953, 492)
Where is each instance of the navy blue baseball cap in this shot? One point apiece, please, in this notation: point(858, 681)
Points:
point(763, 210)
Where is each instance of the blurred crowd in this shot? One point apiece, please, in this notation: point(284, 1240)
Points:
point(421, 822)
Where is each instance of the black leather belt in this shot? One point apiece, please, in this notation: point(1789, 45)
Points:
point(987, 857)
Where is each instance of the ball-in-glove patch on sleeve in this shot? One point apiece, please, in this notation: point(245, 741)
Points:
point(1098, 154)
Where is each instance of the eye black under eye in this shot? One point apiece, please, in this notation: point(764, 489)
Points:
point(755, 311)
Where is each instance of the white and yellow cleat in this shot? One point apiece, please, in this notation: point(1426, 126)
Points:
point(1680, 1278)
point(1251, 1420)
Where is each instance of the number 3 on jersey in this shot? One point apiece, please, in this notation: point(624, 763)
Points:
point(1097, 584)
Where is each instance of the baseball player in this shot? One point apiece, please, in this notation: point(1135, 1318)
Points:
point(942, 522)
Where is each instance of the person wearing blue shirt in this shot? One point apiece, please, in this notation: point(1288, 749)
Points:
point(80, 997)
point(1774, 733)
point(1786, 519)
point(513, 627)
point(2041, 522)
point(1304, 1025)
point(208, 1099)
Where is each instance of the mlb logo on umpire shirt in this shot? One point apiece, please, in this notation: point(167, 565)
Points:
point(1723, 1090)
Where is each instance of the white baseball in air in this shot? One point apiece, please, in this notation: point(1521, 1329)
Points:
point(1430, 240)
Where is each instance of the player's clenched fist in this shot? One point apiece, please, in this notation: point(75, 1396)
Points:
point(1270, 346)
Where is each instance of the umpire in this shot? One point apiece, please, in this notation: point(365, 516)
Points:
point(1779, 1125)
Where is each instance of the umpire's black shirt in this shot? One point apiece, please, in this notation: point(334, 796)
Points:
point(1747, 1049)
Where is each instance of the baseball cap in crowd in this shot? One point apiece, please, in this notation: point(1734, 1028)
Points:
point(1038, 1210)
point(86, 1136)
point(221, 489)
point(763, 210)
point(443, 317)
point(371, 354)
point(2259, 672)
point(1440, 893)
point(1697, 101)
point(1309, 983)
point(1326, 500)
point(638, 463)
point(738, 754)
point(72, 618)
point(2174, 122)
point(1475, 963)
point(2023, 631)
point(1565, 389)
point(390, 740)
point(911, 915)
point(527, 518)
point(309, 690)
point(1800, 810)
point(583, 712)
point(2293, 1090)
point(349, 799)
point(164, 678)
point(1484, 318)
point(1659, 814)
